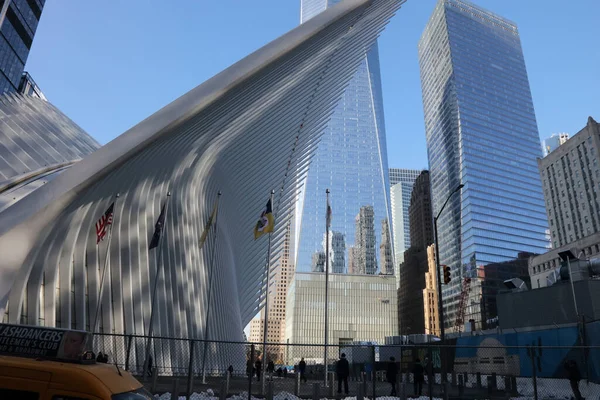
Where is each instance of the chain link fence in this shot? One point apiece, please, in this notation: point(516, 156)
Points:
point(489, 371)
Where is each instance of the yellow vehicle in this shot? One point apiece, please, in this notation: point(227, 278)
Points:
point(27, 375)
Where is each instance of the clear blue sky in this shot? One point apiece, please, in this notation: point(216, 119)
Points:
point(110, 64)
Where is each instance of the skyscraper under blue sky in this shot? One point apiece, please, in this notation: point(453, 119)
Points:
point(351, 161)
point(481, 130)
point(18, 23)
point(402, 182)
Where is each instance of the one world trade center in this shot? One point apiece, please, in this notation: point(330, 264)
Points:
point(351, 161)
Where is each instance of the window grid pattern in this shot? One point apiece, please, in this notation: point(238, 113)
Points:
point(17, 30)
point(351, 161)
point(481, 131)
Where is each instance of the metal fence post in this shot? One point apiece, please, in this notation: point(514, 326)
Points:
point(269, 390)
point(154, 379)
point(430, 371)
point(223, 390)
point(190, 380)
point(316, 395)
point(175, 390)
point(360, 395)
point(531, 352)
point(374, 372)
point(250, 370)
point(129, 340)
point(227, 380)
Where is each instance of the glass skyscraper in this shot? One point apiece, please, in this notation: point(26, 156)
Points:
point(351, 160)
point(18, 23)
point(481, 130)
point(554, 142)
point(402, 182)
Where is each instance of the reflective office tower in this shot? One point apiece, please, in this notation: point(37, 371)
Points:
point(385, 250)
point(401, 181)
point(471, 60)
point(365, 259)
point(337, 252)
point(553, 142)
point(351, 159)
point(18, 23)
point(318, 262)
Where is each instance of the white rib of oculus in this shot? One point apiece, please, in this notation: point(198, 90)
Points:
point(248, 130)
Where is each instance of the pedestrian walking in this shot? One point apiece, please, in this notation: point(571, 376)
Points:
point(574, 377)
point(391, 374)
point(418, 377)
point(302, 369)
point(270, 369)
point(249, 369)
point(258, 366)
point(342, 370)
point(230, 370)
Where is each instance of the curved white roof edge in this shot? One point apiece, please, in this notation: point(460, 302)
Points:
point(273, 102)
point(176, 112)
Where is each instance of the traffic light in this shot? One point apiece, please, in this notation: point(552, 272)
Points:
point(447, 277)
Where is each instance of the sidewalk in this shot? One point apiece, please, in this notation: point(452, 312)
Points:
point(239, 384)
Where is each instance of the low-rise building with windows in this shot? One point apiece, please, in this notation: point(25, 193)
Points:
point(361, 308)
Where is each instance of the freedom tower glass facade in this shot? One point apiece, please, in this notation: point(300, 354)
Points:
point(351, 160)
point(481, 130)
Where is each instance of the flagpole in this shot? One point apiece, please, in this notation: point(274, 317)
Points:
point(159, 268)
point(266, 319)
point(210, 281)
point(95, 326)
point(326, 283)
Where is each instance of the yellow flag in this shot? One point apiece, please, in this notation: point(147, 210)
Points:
point(266, 221)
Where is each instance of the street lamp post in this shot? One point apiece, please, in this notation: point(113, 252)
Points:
point(567, 255)
point(437, 262)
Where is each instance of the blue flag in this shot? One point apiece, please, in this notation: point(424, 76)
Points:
point(158, 229)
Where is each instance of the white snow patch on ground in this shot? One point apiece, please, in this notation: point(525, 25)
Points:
point(279, 396)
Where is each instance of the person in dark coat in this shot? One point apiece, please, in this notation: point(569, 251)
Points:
point(270, 369)
point(391, 374)
point(100, 357)
point(574, 377)
point(230, 370)
point(302, 369)
point(342, 370)
point(418, 377)
point(150, 366)
point(285, 372)
point(258, 366)
point(249, 369)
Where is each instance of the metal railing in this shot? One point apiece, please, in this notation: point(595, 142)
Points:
point(490, 370)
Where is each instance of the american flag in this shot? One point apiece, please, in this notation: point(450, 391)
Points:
point(105, 220)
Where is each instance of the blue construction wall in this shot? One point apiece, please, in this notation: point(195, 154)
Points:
point(510, 352)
